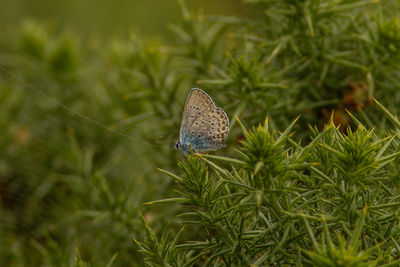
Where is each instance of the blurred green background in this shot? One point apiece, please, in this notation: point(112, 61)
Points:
point(110, 18)
point(72, 73)
point(92, 92)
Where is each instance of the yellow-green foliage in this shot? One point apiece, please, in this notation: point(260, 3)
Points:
point(85, 122)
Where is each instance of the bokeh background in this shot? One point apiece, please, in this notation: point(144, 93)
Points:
point(109, 18)
point(74, 162)
point(92, 92)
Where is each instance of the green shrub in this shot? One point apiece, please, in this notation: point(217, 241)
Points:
point(332, 202)
point(85, 122)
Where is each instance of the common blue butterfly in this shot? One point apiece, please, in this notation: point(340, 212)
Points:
point(204, 126)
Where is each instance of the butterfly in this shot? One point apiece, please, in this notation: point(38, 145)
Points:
point(204, 126)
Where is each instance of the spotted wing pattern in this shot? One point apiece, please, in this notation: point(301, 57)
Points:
point(204, 126)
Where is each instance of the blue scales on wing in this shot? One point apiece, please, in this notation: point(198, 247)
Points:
point(204, 126)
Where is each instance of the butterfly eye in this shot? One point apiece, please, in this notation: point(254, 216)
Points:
point(177, 145)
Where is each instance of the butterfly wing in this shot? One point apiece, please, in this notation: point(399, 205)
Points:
point(213, 128)
point(204, 126)
point(197, 103)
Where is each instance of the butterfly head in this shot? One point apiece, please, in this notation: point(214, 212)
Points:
point(183, 147)
point(178, 145)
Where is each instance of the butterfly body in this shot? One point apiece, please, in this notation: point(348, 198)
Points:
point(204, 126)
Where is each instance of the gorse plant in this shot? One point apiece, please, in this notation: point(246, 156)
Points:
point(262, 151)
point(86, 121)
point(343, 254)
point(267, 208)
